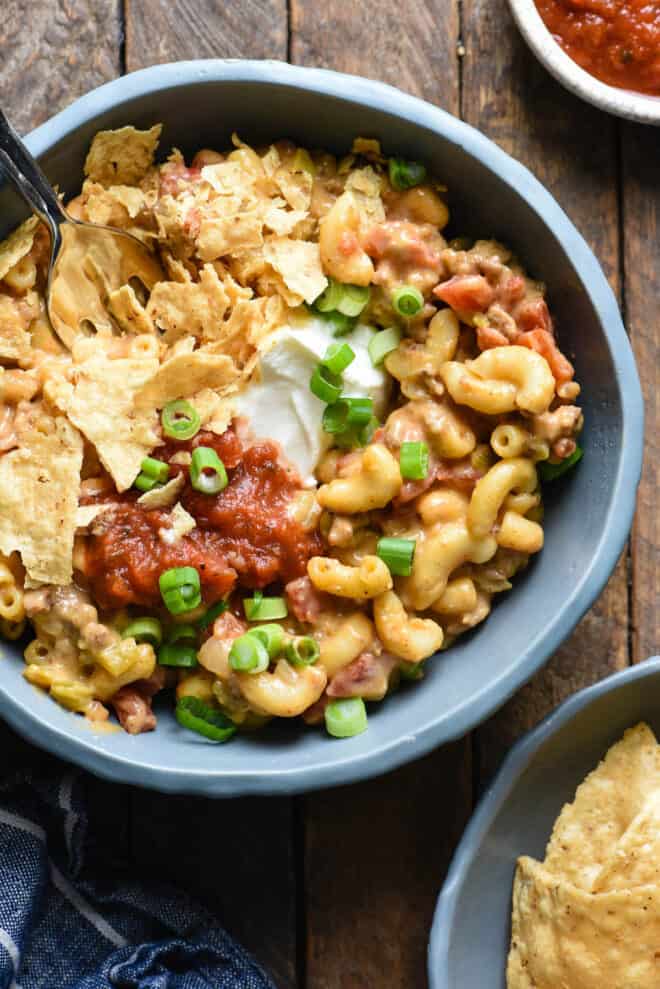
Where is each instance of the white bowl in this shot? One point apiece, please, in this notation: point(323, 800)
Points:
point(622, 102)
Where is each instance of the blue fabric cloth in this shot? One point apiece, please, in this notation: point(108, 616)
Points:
point(63, 928)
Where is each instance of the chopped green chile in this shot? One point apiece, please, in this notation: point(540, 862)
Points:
point(144, 630)
point(180, 421)
point(405, 174)
point(550, 472)
point(195, 715)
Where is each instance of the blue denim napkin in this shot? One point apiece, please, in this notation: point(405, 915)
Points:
point(63, 928)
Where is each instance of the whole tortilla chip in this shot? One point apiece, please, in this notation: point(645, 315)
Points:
point(17, 245)
point(101, 405)
point(635, 858)
point(184, 375)
point(123, 156)
point(565, 938)
point(182, 308)
point(299, 264)
point(604, 807)
point(39, 486)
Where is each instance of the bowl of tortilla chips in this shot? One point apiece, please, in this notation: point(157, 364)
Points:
point(587, 515)
point(557, 879)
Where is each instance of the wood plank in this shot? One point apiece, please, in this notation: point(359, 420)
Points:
point(224, 858)
point(168, 30)
point(641, 214)
point(412, 46)
point(376, 853)
point(376, 856)
point(572, 149)
point(51, 54)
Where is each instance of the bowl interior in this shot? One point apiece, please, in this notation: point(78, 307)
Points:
point(516, 818)
point(582, 523)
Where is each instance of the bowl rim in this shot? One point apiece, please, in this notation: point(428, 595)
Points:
point(496, 795)
point(335, 768)
point(641, 107)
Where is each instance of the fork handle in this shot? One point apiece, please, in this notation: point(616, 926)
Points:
point(30, 181)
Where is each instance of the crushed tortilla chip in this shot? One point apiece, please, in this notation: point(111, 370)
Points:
point(39, 485)
point(123, 156)
point(299, 264)
point(182, 308)
point(129, 312)
point(85, 514)
point(101, 405)
point(164, 495)
point(14, 338)
point(184, 375)
point(296, 187)
point(369, 148)
point(17, 245)
point(221, 234)
point(180, 524)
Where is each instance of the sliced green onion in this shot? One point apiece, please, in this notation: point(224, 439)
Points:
point(180, 589)
point(353, 436)
point(248, 654)
point(550, 472)
point(397, 554)
point(405, 174)
point(346, 717)
point(182, 633)
point(158, 469)
point(337, 357)
point(144, 630)
point(346, 414)
point(407, 300)
point(325, 384)
point(353, 300)
point(341, 324)
point(302, 651)
point(144, 483)
point(210, 616)
point(328, 299)
point(271, 636)
point(383, 343)
point(414, 461)
point(207, 471)
point(366, 433)
point(411, 671)
point(194, 714)
point(261, 609)
point(182, 654)
point(180, 420)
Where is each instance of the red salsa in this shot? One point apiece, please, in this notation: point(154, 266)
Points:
point(618, 41)
point(243, 535)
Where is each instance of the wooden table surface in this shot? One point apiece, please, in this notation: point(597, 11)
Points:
point(337, 889)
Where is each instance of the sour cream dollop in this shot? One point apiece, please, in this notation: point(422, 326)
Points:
point(278, 401)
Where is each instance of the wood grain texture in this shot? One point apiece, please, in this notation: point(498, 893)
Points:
point(236, 856)
point(168, 30)
point(409, 45)
point(641, 238)
point(52, 51)
point(572, 149)
point(377, 854)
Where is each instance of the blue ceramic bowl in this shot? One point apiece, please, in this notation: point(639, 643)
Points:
point(588, 517)
point(471, 929)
